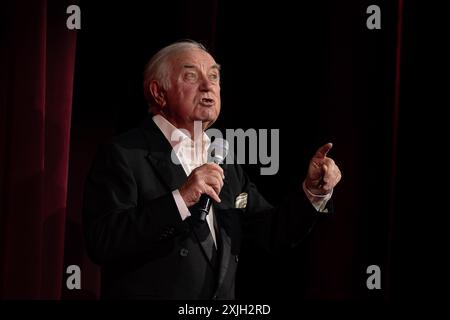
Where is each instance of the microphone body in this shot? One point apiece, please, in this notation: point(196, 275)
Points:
point(204, 205)
point(216, 153)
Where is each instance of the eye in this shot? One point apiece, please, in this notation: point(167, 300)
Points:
point(214, 77)
point(190, 76)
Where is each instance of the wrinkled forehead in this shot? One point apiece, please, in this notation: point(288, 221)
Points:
point(193, 57)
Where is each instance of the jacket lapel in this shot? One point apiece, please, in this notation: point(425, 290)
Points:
point(159, 156)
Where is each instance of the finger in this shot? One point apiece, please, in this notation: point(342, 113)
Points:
point(325, 173)
point(215, 167)
point(219, 169)
point(207, 170)
point(327, 187)
point(333, 168)
point(215, 183)
point(332, 177)
point(323, 150)
point(210, 192)
point(330, 163)
point(338, 176)
point(218, 178)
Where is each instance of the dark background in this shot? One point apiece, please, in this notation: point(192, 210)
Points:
point(310, 69)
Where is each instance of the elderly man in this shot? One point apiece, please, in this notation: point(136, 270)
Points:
point(140, 217)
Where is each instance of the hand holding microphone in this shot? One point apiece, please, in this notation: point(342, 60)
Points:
point(205, 182)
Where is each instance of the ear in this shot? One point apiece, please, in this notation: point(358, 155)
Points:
point(158, 93)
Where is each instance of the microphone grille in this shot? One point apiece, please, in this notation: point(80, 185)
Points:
point(218, 150)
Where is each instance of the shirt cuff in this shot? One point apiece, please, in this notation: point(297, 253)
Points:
point(318, 201)
point(181, 205)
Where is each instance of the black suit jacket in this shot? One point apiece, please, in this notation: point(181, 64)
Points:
point(134, 231)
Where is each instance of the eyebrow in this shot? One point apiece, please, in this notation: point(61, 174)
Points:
point(190, 66)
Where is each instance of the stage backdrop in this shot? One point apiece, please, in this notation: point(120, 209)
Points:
point(314, 71)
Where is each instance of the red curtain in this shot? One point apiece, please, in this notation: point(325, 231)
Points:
point(36, 81)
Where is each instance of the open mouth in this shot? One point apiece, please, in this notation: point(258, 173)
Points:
point(206, 102)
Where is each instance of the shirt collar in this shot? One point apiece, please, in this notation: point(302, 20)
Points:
point(176, 136)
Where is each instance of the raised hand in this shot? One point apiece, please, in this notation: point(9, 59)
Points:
point(323, 174)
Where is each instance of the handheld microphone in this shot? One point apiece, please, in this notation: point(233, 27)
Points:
point(217, 153)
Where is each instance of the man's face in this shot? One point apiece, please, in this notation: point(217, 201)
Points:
point(194, 94)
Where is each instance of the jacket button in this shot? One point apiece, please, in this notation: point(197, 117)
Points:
point(236, 258)
point(184, 252)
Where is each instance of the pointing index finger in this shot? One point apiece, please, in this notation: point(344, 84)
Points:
point(323, 150)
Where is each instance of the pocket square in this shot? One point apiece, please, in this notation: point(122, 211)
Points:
point(241, 201)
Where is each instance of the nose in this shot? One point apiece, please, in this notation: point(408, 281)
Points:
point(205, 84)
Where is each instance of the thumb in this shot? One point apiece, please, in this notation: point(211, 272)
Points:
point(323, 150)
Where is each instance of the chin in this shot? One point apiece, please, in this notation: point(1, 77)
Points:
point(207, 116)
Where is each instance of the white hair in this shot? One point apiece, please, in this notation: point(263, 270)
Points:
point(158, 68)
